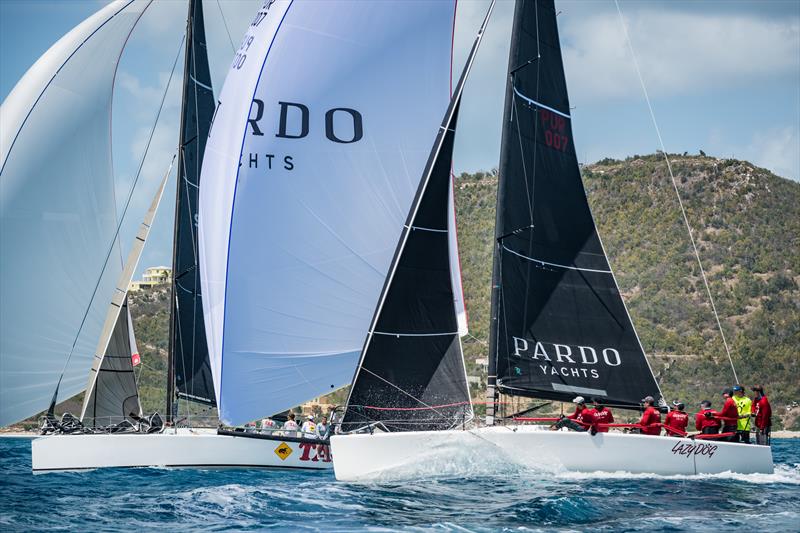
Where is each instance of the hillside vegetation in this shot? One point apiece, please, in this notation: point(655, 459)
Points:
point(746, 223)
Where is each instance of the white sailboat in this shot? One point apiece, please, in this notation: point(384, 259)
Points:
point(365, 149)
point(559, 325)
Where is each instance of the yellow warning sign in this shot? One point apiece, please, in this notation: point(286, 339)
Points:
point(283, 450)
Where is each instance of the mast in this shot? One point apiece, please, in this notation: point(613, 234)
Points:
point(188, 370)
point(559, 325)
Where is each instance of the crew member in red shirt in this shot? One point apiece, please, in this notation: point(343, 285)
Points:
point(729, 415)
point(676, 421)
point(651, 418)
point(601, 415)
point(706, 421)
point(580, 420)
point(762, 412)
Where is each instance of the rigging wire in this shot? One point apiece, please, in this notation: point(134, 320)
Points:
point(225, 22)
point(675, 186)
point(119, 223)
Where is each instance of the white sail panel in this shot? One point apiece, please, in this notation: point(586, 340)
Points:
point(297, 235)
point(57, 211)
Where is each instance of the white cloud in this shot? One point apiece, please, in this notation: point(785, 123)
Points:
point(778, 150)
point(677, 52)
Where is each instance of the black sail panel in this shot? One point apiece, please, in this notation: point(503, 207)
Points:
point(412, 375)
point(115, 396)
point(560, 327)
point(189, 351)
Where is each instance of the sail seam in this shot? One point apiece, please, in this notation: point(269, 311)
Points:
point(506, 248)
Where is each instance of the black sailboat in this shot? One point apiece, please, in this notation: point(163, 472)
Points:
point(559, 325)
point(189, 372)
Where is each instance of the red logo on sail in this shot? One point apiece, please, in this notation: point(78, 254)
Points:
point(135, 359)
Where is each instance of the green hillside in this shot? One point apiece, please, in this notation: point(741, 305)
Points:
point(746, 223)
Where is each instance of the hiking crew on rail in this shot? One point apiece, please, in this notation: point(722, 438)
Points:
point(733, 423)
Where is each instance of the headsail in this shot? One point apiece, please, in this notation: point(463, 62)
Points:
point(189, 364)
point(305, 187)
point(559, 325)
point(111, 385)
point(115, 396)
point(57, 212)
point(411, 376)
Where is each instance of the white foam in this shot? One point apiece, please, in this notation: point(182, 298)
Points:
point(786, 474)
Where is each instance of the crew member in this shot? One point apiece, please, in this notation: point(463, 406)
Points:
point(580, 420)
point(706, 421)
point(744, 408)
point(729, 415)
point(676, 421)
point(651, 418)
point(309, 427)
point(601, 415)
point(290, 424)
point(762, 412)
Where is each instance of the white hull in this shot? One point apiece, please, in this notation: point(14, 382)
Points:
point(183, 448)
point(361, 457)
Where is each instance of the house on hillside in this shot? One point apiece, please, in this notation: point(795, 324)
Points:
point(152, 276)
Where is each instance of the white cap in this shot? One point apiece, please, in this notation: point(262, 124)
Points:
point(578, 399)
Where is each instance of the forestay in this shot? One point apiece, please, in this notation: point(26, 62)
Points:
point(559, 325)
point(57, 212)
point(321, 134)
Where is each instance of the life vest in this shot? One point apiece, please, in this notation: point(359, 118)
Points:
point(744, 406)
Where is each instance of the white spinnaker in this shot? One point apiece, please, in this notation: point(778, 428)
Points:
point(57, 211)
point(296, 242)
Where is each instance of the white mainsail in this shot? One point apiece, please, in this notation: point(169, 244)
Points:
point(57, 212)
point(322, 130)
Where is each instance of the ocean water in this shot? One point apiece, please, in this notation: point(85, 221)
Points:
point(515, 500)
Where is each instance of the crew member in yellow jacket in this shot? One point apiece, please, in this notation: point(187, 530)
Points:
point(744, 406)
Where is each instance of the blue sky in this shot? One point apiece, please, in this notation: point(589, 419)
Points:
point(723, 76)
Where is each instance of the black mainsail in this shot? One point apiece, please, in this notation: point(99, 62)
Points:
point(189, 368)
point(559, 325)
point(411, 376)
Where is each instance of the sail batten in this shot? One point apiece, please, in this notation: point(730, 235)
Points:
point(559, 325)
